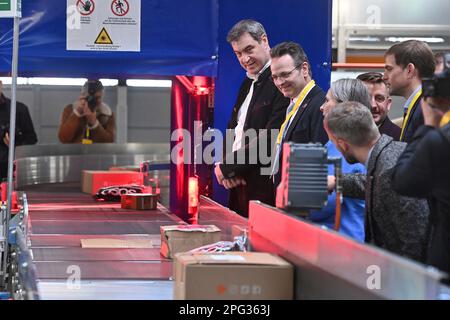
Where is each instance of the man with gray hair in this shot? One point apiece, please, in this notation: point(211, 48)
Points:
point(259, 107)
point(393, 222)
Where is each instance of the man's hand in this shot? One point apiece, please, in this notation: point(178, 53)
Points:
point(91, 117)
point(432, 116)
point(84, 111)
point(233, 183)
point(81, 105)
point(227, 183)
point(331, 183)
point(219, 174)
point(6, 139)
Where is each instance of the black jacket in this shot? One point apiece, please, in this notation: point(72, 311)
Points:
point(267, 110)
point(307, 125)
point(423, 171)
point(415, 120)
point(391, 129)
point(25, 133)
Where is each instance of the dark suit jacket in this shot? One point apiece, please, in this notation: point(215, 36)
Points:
point(25, 133)
point(423, 171)
point(307, 125)
point(415, 120)
point(393, 222)
point(267, 110)
point(391, 129)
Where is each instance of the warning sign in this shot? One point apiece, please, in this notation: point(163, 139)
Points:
point(104, 25)
point(120, 7)
point(103, 38)
point(85, 7)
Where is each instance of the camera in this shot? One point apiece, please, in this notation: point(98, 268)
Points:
point(92, 87)
point(439, 85)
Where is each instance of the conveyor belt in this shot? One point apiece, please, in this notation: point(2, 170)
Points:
point(61, 216)
point(73, 240)
point(89, 254)
point(107, 270)
point(114, 290)
point(97, 227)
point(58, 222)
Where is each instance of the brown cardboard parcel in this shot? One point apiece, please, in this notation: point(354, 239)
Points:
point(233, 276)
point(93, 180)
point(182, 238)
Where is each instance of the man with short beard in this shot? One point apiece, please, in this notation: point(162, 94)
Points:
point(393, 222)
point(380, 102)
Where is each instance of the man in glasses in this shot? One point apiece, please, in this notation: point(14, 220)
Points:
point(259, 108)
point(381, 103)
point(291, 73)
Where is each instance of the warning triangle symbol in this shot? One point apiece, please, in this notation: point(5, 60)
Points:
point(103, 38)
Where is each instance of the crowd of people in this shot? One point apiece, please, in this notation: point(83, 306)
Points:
point(396, 178)
point(396, 182)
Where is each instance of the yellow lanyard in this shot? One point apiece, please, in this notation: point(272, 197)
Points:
point(87, 140)
point(410, 106)
point(299, 101)
point(445, 119)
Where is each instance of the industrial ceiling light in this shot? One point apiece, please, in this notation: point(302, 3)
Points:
point(149, 83)
point(425, 39)
point(44, 81)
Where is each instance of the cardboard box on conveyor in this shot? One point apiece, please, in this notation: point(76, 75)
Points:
point(182, 238)
point(232, 276)
point(93, 180)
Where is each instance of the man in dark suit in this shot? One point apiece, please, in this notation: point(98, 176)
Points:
point(259, 108)
point(381, 103)
point(393, 222)
point(25, 133)
point(423, 169)
point(292, 75)
point(406, 63)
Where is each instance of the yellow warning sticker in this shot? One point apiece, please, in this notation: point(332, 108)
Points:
point(103, 38)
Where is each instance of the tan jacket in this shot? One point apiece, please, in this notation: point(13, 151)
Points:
point(72, 128)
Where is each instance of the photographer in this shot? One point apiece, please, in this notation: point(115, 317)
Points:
point(89, 119)
point(25, 133)
point(423, 170)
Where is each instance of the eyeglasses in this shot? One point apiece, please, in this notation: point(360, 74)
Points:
point(284, 75)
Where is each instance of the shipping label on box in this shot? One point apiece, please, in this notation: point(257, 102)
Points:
point(183, 238)
point(232, 276)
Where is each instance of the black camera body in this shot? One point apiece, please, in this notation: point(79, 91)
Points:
point(439, 85)
point(91, 100)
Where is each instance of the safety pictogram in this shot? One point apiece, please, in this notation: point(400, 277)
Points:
point(120, 7)
point(103, 38)
point(85, 7)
